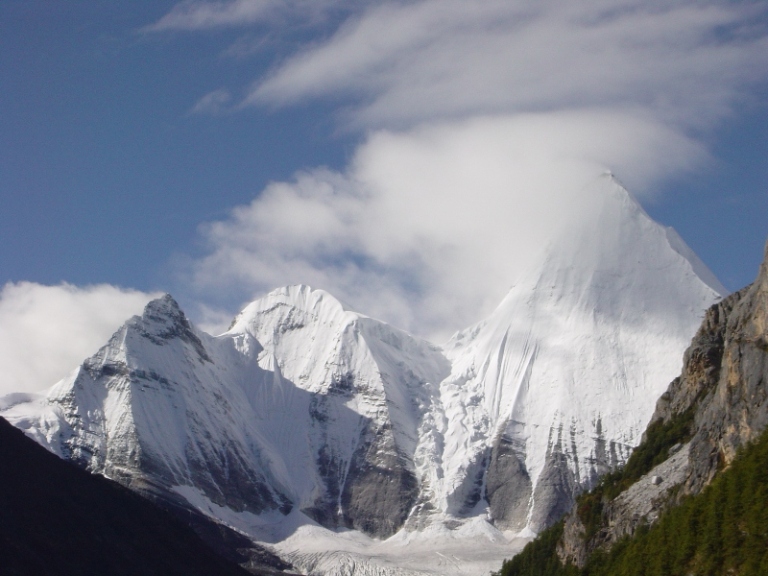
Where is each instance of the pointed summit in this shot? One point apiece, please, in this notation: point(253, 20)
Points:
point(163, 321)
point(569, 365)
point(162, 308)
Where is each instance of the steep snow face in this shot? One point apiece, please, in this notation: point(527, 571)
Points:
point(324, 348)
point(558, 384)
point(156, 407)
point(369, 385)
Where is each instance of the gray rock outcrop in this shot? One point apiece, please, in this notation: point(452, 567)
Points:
point(508, 486)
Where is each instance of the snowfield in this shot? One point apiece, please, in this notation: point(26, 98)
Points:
point(473, 548)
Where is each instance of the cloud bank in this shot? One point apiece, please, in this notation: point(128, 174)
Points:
point(426, 229)
point(47, 331)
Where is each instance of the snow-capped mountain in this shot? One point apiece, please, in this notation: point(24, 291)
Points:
point(300, 405)
point(305, 417)
point(557, 385)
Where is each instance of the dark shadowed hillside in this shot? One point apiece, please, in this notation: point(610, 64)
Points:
point(58, 520)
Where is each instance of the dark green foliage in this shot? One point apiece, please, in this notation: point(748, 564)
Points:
point(723, 530)
point(589, 507)
point(659, 438)
point(539, 557)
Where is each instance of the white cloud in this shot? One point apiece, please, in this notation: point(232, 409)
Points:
point(211, 320)
point(197, 14)
point(427, 229)
point(47, 331)
point(192, 15)
point(212, 103)
point(401, 63)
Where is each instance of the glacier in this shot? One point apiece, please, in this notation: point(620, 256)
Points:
point(352, 447)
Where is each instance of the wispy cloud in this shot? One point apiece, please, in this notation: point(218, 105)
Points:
point(395, 64)
point(47, 331)
point(199, 15)
point(401, 63)
point(193, 15)
point(213, 103)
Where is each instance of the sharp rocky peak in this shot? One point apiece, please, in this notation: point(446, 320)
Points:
point(162, 321)
point(163, 310)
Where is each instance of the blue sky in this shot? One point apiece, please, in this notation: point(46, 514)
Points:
point(105, 173)
point(130, 132)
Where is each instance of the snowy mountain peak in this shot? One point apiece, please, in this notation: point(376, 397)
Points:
point(292, 307)
point(162, 321)
point(307, 332)
point(162, 307)
point(341, 421)
point(569, 365)
point(162, 316)
point(623, 214)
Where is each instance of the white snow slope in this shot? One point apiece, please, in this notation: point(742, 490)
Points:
point(352, 447)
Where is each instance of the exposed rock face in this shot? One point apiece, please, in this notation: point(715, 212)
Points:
point(381, 489)
point(736, 411)
point(726, 372)
point(573, 548)
point(725, 382)
point(645, 499)
point(508, 486)
point(555, 490)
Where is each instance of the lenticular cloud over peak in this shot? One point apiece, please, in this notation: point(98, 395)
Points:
point(428, 229)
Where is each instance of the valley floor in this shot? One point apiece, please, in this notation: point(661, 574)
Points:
point(472, 549)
